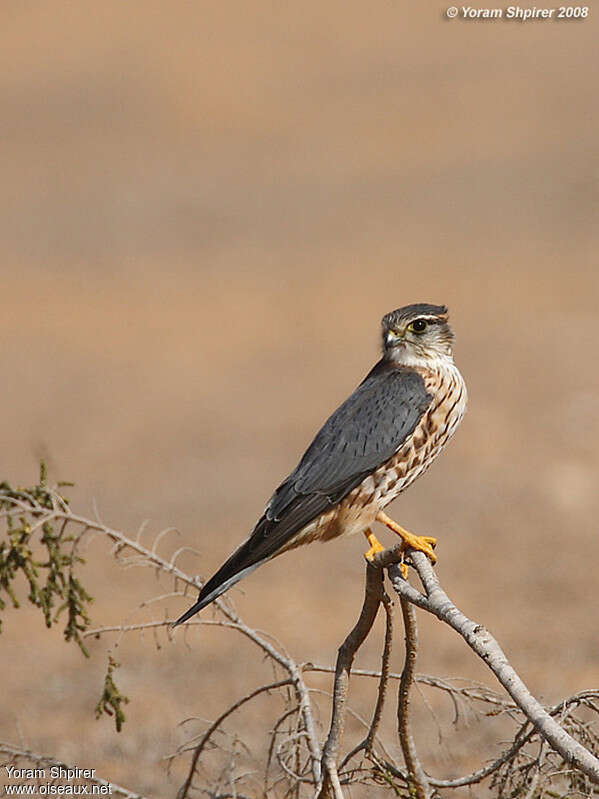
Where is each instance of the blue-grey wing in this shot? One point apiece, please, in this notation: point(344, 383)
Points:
point(362, 434)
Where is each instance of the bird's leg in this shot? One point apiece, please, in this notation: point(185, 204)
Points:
point(375, 544)
point(424, 543)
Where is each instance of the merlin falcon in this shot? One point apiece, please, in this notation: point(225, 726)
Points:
point(384, 436)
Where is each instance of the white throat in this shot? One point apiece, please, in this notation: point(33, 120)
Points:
point(437, 362)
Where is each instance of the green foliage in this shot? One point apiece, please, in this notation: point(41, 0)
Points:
point(53, 586)
point(37, 544)
point(112, 699)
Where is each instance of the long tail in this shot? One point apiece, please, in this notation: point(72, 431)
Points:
point(231, 572)
point(269, 538)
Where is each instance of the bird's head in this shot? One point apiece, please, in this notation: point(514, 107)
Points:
point(417, 335)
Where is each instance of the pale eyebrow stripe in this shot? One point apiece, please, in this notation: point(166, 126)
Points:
point(434, 319)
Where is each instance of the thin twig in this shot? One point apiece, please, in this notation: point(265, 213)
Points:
point(418, 780)
point(367, 743)
point(516, 766)
point(486, 647)
point(385, 668)
point(522, 737)
point(273, 739)
point(471, 691)
point(61, 511)
point(373, 596)
point(199, 747)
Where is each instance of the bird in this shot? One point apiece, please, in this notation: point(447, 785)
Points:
point(384, 436)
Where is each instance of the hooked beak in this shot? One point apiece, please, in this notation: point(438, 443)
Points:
point(392, 339)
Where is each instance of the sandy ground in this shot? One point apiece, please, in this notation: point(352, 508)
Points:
point(206, 209)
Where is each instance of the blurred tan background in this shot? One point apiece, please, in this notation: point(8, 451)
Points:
point(206, 209)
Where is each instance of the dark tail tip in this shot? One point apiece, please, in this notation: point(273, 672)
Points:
point(191, 612)
point(215, 587)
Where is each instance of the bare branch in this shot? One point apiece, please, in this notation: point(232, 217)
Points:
point(384, 678)
point(273, 740)
point(366, 745)
point(286, 662)
point(543, 757)
point(471, 691)
point(62, 513)
point(199, 748)
point(419, 783)
point(486, 647)
point(373, 596)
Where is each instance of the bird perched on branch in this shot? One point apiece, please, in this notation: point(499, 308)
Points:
point(384, 436)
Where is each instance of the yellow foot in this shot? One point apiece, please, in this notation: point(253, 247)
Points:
point(423, 543)
point(375, 545)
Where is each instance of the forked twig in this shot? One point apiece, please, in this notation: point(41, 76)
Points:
point(366, 745)
point(296, 749)
point(373, 596)
point(436, 601)
point(61, 513)
point(199, 747)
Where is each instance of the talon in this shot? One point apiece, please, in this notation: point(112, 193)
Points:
point(375, 545)
point(423, 543)
point(428, 539)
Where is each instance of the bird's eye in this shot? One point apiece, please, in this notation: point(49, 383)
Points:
point(418, 325)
